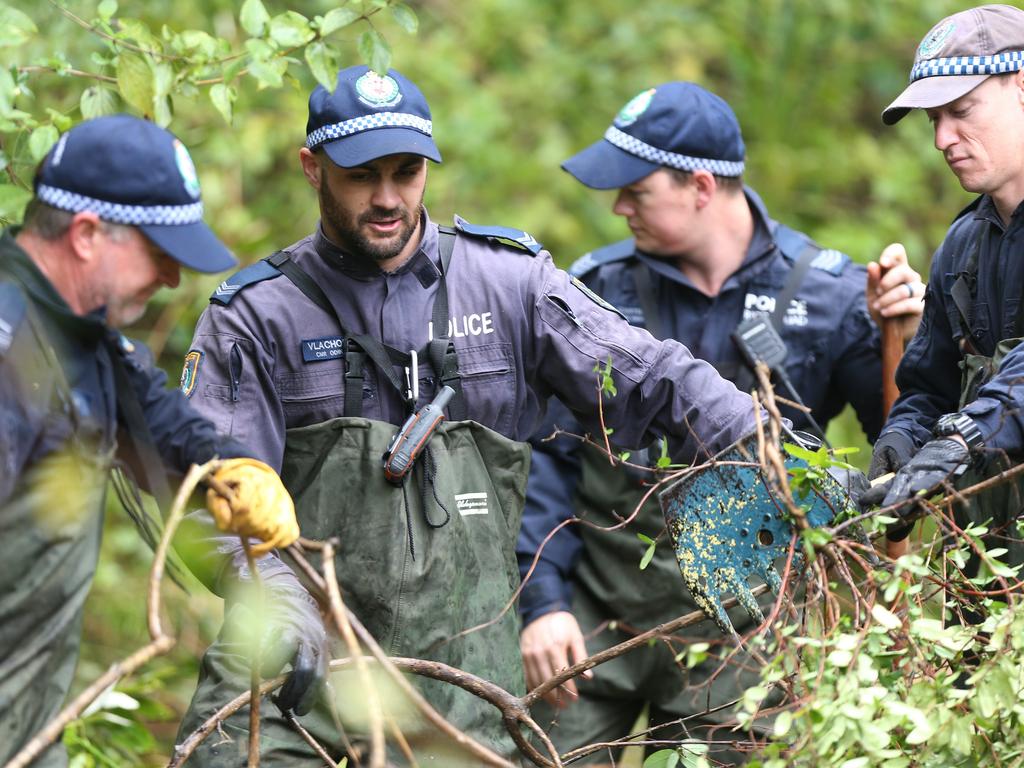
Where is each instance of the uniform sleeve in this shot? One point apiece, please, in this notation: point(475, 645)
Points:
point(181, 435)
point(18, 431)
point(232, 382)
point(554, 473)
point(929, 374)
point(999, 408)
point(661, 388)
point(857, 372)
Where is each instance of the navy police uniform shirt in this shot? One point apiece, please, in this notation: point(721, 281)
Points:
point(833, 359)
point(929, 374)
point(266, 359)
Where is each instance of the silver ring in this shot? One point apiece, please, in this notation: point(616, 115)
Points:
point(910, 290)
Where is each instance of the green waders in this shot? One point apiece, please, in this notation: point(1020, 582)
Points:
point(609, 585)
point(417, 564)
point(1002, 504)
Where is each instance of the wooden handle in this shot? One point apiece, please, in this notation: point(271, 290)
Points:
point(892, 352)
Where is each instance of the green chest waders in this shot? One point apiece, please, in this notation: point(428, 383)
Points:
point(417, 563)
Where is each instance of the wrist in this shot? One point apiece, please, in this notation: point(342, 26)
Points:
point(963, 429)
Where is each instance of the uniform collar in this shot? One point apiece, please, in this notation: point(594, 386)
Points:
point(423, 263)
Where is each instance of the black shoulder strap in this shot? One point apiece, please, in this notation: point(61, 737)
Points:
point(648, 301)
point(793, 282)
point(963, 289)
point(385, 357)
point(441, 349)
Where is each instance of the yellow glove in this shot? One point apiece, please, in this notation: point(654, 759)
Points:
point(262, 506)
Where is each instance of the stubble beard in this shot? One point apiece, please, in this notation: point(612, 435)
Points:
point(350, 236)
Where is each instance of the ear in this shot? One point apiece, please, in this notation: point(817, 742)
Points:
point(82, 236)
point(1018, 82)
point(311, 167)
point(706, 185)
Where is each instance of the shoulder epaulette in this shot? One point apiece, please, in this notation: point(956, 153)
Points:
point(243, 278)
point(515, 237)
point(609, 253)
point(12, 312)
point(792, 243)
point(973, 205)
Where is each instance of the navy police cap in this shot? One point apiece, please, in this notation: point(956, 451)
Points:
point(133, 172)
point(678, 125)
point(368, 116)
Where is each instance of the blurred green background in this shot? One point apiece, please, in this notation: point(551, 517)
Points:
point(516, 86)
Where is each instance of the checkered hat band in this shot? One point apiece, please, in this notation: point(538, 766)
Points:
point(118, 213)
point(644, 150)
point(367, 123)
point(1000, 63)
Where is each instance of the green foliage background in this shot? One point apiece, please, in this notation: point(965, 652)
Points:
point(516, 86)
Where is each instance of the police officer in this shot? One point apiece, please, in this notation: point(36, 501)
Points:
point(959, 417)
point(317, 353)
point(706, 265)
point(115, 215)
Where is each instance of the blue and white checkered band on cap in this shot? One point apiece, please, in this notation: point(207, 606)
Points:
point(334, 131)
point(998, 64)
point(645, 151)
point(120, 213)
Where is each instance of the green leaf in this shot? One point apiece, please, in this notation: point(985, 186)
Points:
point(16, 27)
point(290, 30)
point(269, 73)
point(40, 141)
point(223, 96)
point(135, 82)
point(254, 17)
point(405, 17)
point(97, 100)
point(663, 758)
point(319, 59)
point(12, 202)
point(783, 723)
point(335, 19)
point(375, 51)
point(106, 9)
point(649, 554)
point(885, 617)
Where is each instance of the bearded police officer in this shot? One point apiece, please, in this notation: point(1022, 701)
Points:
point(706, 265)
point(317, 353)
point(116, 214)
point(959, 417)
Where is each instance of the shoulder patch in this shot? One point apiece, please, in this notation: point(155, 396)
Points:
point(609, 253)
point(254, 273)
point(190, 372)
point(515, 237)
point(12, 312)
point(792, 243)
point(595, 298)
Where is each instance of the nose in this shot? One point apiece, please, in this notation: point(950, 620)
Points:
point(622, 206)
point(945, 134)
point(385, 195)
point(169, 271)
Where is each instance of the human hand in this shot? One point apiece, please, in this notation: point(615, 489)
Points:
point(294, 633)
point(894, 290)
point(550, 644)
point(938, 461)
point(891, 451)
point(259, 506)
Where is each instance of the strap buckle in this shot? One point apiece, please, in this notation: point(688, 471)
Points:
point(412, 379)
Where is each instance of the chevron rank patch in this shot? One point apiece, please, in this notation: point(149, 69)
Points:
point(190, 372)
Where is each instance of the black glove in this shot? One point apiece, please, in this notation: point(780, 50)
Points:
point(295, 633)
point(938, 460)
point(892, 450)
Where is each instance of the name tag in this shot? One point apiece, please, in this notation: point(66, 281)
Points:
point(327, 348)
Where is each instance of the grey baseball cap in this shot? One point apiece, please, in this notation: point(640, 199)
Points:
point(959, 54)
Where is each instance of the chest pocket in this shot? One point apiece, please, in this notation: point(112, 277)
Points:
point(488, 377)
point(310, 397)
